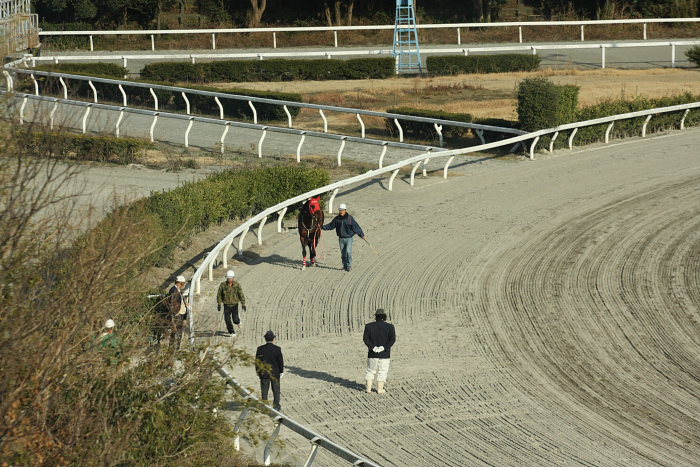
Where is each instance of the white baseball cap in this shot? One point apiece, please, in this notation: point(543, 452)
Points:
point(180, 279)
point(230, 274)
point(109, 324)
point(342, 207)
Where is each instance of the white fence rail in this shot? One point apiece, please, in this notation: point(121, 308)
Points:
point(458, 27)
point(533, 49)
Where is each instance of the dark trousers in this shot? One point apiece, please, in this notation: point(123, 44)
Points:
point(265, 387)
point(231, 317)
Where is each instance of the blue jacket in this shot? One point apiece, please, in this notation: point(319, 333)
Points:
point(345, 226)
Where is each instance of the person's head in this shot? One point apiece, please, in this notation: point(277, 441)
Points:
point(270, 336)
point(230, 276)
point(109, 325)
point(180, 281)
point(343, 209)
point(380, 314)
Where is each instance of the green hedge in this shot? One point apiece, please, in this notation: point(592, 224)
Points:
point(543, 104)
point(231, 194)
point(270, 70)
point(633, 126)
point(459, 64)
point(693, 54)
point(91, 148)
point(420, 130)
point(167, 100)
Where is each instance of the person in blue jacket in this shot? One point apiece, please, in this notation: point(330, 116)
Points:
point(346, 227)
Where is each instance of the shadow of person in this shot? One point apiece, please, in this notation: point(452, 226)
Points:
point(320, 375)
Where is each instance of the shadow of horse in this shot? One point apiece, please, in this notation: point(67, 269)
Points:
point(320, 375)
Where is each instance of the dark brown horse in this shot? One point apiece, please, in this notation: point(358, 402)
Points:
point(310, 221)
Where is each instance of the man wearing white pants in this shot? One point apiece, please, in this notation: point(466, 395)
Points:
point(379, 336)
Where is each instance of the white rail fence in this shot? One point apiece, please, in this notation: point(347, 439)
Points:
point(438, 124)
point(458, 27)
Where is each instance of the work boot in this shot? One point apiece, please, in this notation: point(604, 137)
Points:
point(369, 385)
point(380, 387)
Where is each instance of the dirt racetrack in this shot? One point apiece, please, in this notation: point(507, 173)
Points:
point(547, 313)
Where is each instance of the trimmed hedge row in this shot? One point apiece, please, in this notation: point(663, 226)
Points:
point(693, 54)
point(270, 70)
point(459, 64)
point(91, 148)
point(167, 100)
point(420, 130)
point(104, 70)
point(543, 104)
point(231, 194)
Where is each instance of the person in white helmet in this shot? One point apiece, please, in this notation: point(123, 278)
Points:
point(230, 295)
point(178, 307)
point(109, 344)
point(346, 227)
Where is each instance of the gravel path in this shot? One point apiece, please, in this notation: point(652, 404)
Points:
point(547, 313)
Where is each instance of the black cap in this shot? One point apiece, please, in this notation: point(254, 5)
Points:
point(270, 336)
point(380, 311)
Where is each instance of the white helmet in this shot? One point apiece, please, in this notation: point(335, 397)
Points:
point(180, 279)
point(109, 324)
point(342, 207)
point(230, 274)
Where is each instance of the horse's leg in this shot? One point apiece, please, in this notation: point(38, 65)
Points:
point(303, 252)
point(312, 247)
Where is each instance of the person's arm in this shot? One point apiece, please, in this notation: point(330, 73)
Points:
point(367, 338)
point(241, 297)
point(392, 337)
point(281, 362)
point(331, 224)
point(357, 229)
point(220, 294)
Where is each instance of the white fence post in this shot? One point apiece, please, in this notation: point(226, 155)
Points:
point(94, 91)
point(644, 34)
point(21, 110)
point(274, 40)
point(221, 107)
point(262, 138)
point(335, 38)
point(331, 199)
point(413, 172)
point(607, 132)
point(121, 89)
point(255, 112)
point(268, 446)
point(340, 151)
point(213, 42)
point(602, 56)
point(237, 427)
point(551, 142)
point(260, 229)
point(36, 85)
point(85, 116)
point(438, 129)
point(362, 124)
point(459, 37)
point(280, 218)
point(153, 126)
point(673, 55)
point(187, 132)
point(240, 241)
point(301, 142)
point(532, 147)
point(92, 46)
point(289, 116)
point(391, 179)
point(644, 127)
point(685, 114)
point(223, 135)
point(224, 253)
point(155, 98)
point(53, 112)
point(480, 135)
point(65, 88)
point(381, 157)
point(571, 139)
point(583, 38)
point(325, 121)
point(187, 103)
point(398, 125)
point(153, 42)
point(520, 34)
point(119, 121)
point(312, 454)
point(447, 166)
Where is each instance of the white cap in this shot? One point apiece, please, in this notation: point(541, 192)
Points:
point(109, 324)
point(180, 279)
point(342, 207)
point(230, 274)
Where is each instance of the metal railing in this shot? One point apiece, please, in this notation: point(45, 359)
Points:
point(458, 27)
point(533, 49)
point(438, 124)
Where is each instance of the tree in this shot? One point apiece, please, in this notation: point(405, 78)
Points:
point(257, 9)
point(341, 13)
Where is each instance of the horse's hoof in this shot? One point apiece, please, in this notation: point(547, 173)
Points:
point(303, 267)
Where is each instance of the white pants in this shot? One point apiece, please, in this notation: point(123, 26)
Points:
point(377, 367)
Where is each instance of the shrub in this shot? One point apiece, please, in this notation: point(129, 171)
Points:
point(230, 194)
point(693, 54)
point(458, 64)
point(92, 148)
point(107, 70)
point(633, 126)
point(270, 70)
point(420, 130)
point(543, 104)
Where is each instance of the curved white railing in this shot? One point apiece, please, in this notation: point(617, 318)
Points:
point(335, 29)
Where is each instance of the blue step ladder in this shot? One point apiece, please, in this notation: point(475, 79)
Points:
point(406, 48)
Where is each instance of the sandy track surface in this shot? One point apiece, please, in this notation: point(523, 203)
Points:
point(547, 313)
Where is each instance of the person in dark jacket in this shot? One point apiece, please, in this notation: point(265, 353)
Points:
point(379, 336)
point(346, 227)
point(230, 294)
point(177, 312)
point(270, 355)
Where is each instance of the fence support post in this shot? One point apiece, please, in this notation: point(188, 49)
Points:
point(221, 107)
point(391, 179)
point(262, 138)
point(571, 139)
point(398, 125)
point(532, 147)
point(153, 126)
point(9, 80)
point(459, 37)
point(325, 121)
point(520, 34)
point(312, 454)
point(438, 129)
point(36, 85)
point(85, 116)
point(119, 121)
point(121, 89)
point(644, 127)
point(94, 91)
point(685, 114)
point(335, 38)
point(21, 111)
point(255, 112)
point(213, 42)
point(153, 42)
point(602, 56)
point(447, 166)
point(413, 172)
point(65, 88)
point(280, 219)
point(260, 229)
point(223, 135)
point(480, 134)
point(92, 45)
point(211, 269)
point(237, 427)
point(155, 98)
point(240, 241)
point(673, 55)
point(268, 446)
point(340, 151)
point(274, 40)
point(187, 132)
point(607, 132)
point(362, 124)
point(224, 253)
point(381, 157)
point(53, 112)
point(187, 103)
point(644, 34)
point(289, 116)
point(331, 199)
point(551, 142)
point(583, 38)
point(301, 142)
